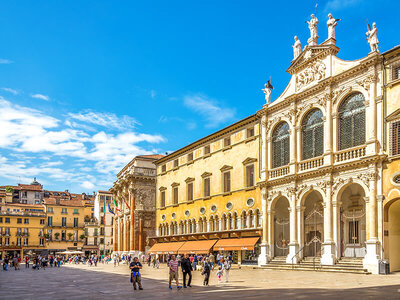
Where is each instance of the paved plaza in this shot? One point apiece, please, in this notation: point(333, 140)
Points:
point(106, 281)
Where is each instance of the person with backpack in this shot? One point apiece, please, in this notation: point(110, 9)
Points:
point(135, 267)
point(226, 267)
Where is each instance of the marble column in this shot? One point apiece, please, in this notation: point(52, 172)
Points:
point(293, 245)
point(328, 256)
point(119, 234)
point(131, 232)
point(263, 175)
point(336, 227)
point(115, 235)
point(263, 258)
point(328, 135)
point(300, 228)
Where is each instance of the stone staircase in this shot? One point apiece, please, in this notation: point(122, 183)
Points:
point(344, 265)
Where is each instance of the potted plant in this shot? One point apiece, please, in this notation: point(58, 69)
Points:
point(70, 234)
point(82, 236)
point(57, 235)
point(47, 236)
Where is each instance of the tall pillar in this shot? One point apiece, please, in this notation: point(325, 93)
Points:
point(131, 232)
point(270, 228)
point(293, 151)
point(293, 245)
point(115, 235)
point(371, 133)
point(328, 135)
point(140, 246)
point(263, 154)
point(119, 234)
point(300, 228)
point(263, 257)
point(336, 227)
point(328, 257)
point(371, 259)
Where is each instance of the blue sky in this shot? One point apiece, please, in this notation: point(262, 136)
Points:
point(87, 85)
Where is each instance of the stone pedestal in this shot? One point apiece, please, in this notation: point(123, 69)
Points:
point(328, 257)
point(371, 259)
point(263, 258)
point(293, 256)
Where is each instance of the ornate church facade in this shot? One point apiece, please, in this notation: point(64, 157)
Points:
point(323, 155)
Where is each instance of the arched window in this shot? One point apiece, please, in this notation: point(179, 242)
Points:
point(313, 134)
point(244, 220)
point(235, 221)
point(224, 222)
point(211, 221)
point(194, 226)
point(280, 145)
point(352, 121)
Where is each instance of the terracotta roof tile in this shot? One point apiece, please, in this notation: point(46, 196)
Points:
point(154, 156)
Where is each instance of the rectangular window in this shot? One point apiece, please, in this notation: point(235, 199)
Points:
point(63, 235)
point(25, 242)
point(354, 236)
point(227, 182)
point(250, 132)
point(102, 209)
point(63, 210)
point(7, 220)
point(395, 138)
point(18, 241)
point(50, 210)
point(75, 235)
point(19, 231)
point(19, 221)
point(37, 195)
point(7, 241)
point(41, 221)
point(162, 200)
point(26, 221)
point(1, 219)
point(207, 149)
point(49, 221)
point(26, 232)
point(101, 230)
point(175, 195)
point(64, 222)
point(102, 198)
point(227, 141)
point(250, 175)
point(190, 157)
point(176, 163)
point(41, 242)
point(86, 232)
point(190, 191)
point(108, 198)
point(164, 168)
point(76, 211)
point(101, 241)
point(206, 187)
point(50, 234)
point(76, 222)
point(396, 72)
point(96, 232)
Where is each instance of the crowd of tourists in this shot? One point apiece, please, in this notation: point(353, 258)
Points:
point(38, 262)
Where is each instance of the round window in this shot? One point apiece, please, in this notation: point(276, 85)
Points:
point(163, 217)
point(173, 215)
point(229, 206)
point(213, 208)
point(396, 179)
point(250, 202)
point(187, 213)
point(202, 210)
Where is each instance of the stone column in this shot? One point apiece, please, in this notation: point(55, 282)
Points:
point(263, 257)
point(336, 227)
point(299, 144)
point(328, 132)
point(119, 234)
point(263, 150)
point(293, 245)
point(140, 242)
point(292, 147)
point(300, 228)
point(328, 257)
point(132, 229)
point(371, 259)
point(271, 241)
point(115, 235)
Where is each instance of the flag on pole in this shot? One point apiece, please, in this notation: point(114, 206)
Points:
point(116, 205)
point(110, 210)
point(126, 203)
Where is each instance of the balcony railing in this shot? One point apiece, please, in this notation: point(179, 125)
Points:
point(350, 154)
point(143, 171)
point(277, 172)
point(311, 163)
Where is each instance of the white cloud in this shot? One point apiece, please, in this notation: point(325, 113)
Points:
point(153, 94)
point(40, 96)
point(212, 112)
point(87, 185)
point(5, 61)
point(12, 91)
point(105, 119)
point(334, 5)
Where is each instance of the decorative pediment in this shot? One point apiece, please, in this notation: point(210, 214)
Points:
point(189, 179)
point(174, 184)
point(226, 168)
point(163, 188)
point(394, 115)
point(206, 174)
point(249, 160)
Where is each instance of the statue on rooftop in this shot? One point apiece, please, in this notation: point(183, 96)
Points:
point(312, 25)
point(332, 22)
point(267, 91)
point(372, 37)
point(296, 47)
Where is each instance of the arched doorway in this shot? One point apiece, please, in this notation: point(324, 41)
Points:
point(313, 224)
point(281, 227)
point(394, 236)
point(352, 222)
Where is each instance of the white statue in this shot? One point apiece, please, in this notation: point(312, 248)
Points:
point(372, 37)
point(332, 22)
point(267, 91)
point(296, 47)
point(312, 25)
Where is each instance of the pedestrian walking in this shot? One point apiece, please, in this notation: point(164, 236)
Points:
point(226, 266)
point(173, 272)
point(206, 272)
point(27, 261)
point(220, 274)
point(135, 267)
point(186, 270)
point(212, 260)
point(5, 263)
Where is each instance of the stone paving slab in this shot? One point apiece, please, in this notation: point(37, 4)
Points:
point(107, 281)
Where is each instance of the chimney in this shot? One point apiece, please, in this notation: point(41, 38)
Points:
point(66, 191)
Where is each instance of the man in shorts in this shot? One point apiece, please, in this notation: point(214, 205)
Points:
point(173, 272)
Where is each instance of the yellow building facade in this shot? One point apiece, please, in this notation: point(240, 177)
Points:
point(22, 229)
point(65, 224)
point(207, 191)
point(391, 171)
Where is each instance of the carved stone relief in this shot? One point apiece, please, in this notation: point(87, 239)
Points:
point(312, 73)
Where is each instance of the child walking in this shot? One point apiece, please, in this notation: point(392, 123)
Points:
point(206, 272)
point(219, 274)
